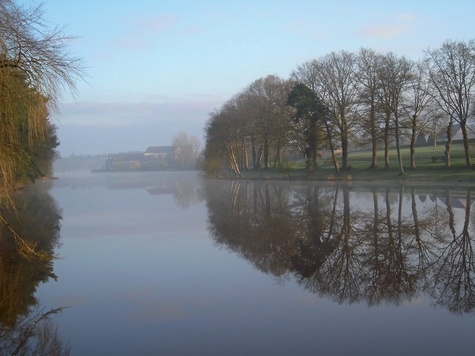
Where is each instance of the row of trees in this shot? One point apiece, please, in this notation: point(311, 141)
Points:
point(35, 67)
point(366, 99)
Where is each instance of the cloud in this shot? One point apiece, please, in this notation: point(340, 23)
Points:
point(97, 127)
point(155, 108)
point(138, 34)
point(394, 27)
point(159, 24)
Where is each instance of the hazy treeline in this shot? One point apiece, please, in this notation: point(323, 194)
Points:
point(35, 67)
point(343, 100)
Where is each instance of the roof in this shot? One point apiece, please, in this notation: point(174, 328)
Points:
point(457, 132)
point(160, 149)
point(126, 156)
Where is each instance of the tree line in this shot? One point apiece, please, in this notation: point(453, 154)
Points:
point(35, 68)
point(343, 99)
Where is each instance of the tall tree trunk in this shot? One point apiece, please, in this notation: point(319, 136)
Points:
point(259, 158)
point(278, 157)
point(386, 141)
point(254, 153)
point(266, 152)
point(374, 139)
point(233, 161)
point(448, 144)
point(412, 148)
point(344, 144)
point(398, 147)
point(468, 161)
point(332, 149)
point(245, 157)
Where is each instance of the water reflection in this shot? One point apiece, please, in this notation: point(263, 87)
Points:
point(182, 185)
point(29, 235)
point(352, 243)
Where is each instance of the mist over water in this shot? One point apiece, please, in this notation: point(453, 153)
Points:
point(170, 263)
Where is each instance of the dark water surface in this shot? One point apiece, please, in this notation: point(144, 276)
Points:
point(169, 264)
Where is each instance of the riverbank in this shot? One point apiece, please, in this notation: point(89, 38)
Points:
point(453, 175)
point(427, 169)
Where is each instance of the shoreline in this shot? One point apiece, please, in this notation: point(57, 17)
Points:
point(450, 177)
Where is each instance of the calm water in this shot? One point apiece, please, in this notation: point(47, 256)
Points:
point(168, 264)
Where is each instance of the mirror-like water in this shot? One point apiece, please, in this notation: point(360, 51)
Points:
point(167, 263)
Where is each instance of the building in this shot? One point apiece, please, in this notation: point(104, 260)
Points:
point(456, 133)
point(160, 152)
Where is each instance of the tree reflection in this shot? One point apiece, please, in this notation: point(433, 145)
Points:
point(350, 244)
point(29, 234)
point(454, 267)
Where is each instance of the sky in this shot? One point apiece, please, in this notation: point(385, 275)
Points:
point(156, 68)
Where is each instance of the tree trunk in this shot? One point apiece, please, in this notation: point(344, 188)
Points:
point(468, 161)
point(254, 153)
point(448, 144)
point(398, 147)
point(246, 157)
point(332, 150)
point(344, 144)
point(232, 160)
point(266, 152)
point(412, 148)
point(386, 141)
point(278, 157)
point(374, 139)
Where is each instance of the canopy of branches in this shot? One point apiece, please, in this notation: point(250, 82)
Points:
point(345, 100)
point(35, 67)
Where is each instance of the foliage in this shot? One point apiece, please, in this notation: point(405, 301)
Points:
point(186, 151)
point(314, 116)
point(34, 68)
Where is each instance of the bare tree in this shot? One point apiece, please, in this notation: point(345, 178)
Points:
point(395, 75)
point(222, 141)
point(367, 63)
point(338, 89)
point(268, 97)
point(35, 68)
point(419, 100)
point(40, 54)
point(187, 149)
point(452, 74)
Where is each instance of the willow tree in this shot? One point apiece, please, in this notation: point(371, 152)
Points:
point(35, 68)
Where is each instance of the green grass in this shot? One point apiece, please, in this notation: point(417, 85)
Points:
point(425, 171)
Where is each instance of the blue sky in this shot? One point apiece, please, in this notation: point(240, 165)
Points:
point(156, 68)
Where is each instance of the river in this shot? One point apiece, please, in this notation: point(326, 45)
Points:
point(173, 264)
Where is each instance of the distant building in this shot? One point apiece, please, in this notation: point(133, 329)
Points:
point(160, 152)
point(154, 158)
point(456, 133)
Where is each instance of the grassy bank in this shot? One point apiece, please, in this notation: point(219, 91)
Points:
point(426, 170)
